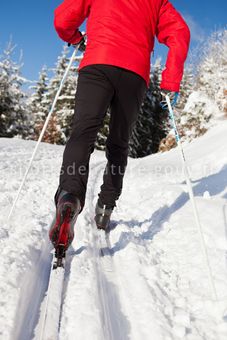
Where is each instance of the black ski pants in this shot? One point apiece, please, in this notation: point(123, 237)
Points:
point(99, 87)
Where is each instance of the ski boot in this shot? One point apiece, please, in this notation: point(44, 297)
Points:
point(102, 215)
point(61, 232)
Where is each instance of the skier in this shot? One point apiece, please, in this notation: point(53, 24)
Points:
point(114, 72)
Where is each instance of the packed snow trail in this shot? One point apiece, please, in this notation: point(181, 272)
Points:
point(108, 313)
point(112, 318)
point(154, 284)
point(33, 289)
point(48, 325)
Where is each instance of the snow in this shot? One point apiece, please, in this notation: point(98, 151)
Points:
point(198, 98)
point(47, 327)
point(152, 283)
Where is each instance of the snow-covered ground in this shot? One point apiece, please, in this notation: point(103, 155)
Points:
point(155, 284)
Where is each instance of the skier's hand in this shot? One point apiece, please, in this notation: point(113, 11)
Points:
point(173, 96)
point(81, 43)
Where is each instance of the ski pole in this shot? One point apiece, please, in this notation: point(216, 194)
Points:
point(42, 132)
point(192, 198)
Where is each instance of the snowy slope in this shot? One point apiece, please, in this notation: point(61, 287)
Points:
point(155, 285)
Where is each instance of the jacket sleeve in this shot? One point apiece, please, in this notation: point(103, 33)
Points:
point(173, 31)
point(68, 17)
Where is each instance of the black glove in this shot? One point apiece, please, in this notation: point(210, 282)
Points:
point(173, 96)
point(81, 43)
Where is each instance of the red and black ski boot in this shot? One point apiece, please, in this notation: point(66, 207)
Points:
point(61, 232)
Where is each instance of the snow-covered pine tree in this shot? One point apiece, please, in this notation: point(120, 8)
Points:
point(186, 88)
point(152, 124)
point(212, 71)
point(66, 103)
point(196, 117)
point(181, 115)
point(100, 143)
point(35, 103)
point(60, 124)
point(208, 101)
point(53, 133)
point(13, 113)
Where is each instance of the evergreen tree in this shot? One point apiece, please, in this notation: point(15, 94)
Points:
point(186, 88)
point(212, 71)
point(13, 113)
point(66, 102)
point(206, 103)
point(196, 118)
point(181, 115)
point(60, 123)
point(152, 124)
point(35, 103)
point(53, 133)
point(100, 143)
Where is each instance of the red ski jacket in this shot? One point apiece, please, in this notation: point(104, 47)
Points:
point(122, 33)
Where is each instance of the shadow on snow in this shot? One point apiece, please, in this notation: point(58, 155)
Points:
point(215, 184)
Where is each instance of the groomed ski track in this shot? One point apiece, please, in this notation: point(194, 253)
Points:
point(152, 283)
point(36, 281)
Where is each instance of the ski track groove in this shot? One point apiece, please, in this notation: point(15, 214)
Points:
point(108, 334)
point(94, 249)
point(35, 308)
point(64, 292)
point(38, 284)
point(103, 264)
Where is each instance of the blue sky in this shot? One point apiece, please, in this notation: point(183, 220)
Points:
point(30, 23)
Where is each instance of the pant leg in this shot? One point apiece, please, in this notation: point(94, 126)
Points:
point(129, 94)
point(93, 96)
